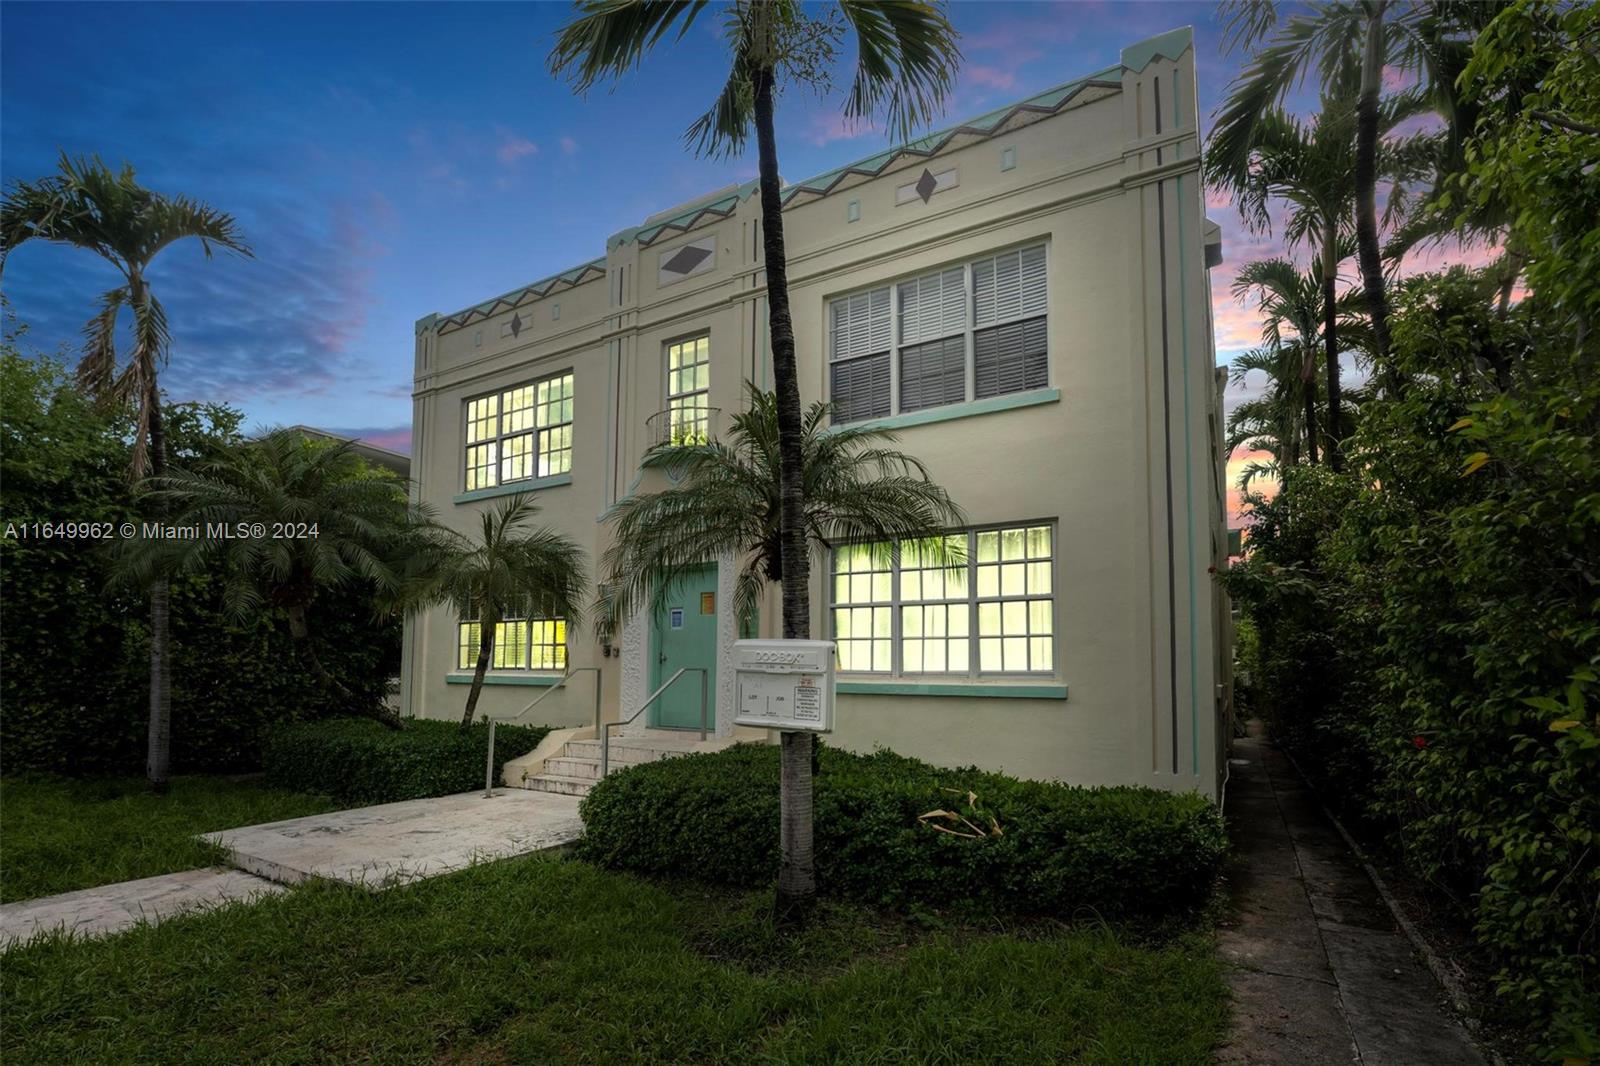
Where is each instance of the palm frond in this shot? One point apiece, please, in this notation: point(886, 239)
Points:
point(906, 58)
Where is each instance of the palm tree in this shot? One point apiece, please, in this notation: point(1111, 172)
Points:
point(1273, 421)
point(1306, 166)
point(1427, 39)
point(511, 570)
point(1291, 303)
point(729, 499)
point(906, 57)
point(342, 522)
point(112, 215)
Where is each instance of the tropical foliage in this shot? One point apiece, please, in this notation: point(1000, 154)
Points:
point(76, 647)
point(727, 500)
point(512, 569)
point(283, 520)
point(1428, 622)
point(89, 206)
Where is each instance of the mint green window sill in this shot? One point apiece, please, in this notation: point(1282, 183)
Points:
point(985, 691)
point(1008, 402)
point(511, 490)
point(535, 680)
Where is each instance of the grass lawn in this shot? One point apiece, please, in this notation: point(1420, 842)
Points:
point(546, 960)
point(59, 834)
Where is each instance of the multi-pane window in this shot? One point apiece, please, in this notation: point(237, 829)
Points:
point(966, 332)
point(863, 606)
point(689, 391)
point(520, 433)
point(1016, 602)
point(549, 644)
point(967, 604)
point(519, 644)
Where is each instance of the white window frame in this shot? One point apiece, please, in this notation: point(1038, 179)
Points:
point(974, 671)
point(704, 395)
point(501, 435)
point(469, 650)
point(967, 334)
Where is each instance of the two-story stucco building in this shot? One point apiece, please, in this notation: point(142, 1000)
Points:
point(1024, 298)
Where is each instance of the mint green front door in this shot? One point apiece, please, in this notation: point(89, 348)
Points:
point(685, 635)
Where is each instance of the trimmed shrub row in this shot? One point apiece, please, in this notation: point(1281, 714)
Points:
point(358, 761)
point(1062, 850)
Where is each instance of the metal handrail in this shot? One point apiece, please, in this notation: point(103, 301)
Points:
point(605, 732)
point(681, 425)
point(488, 766)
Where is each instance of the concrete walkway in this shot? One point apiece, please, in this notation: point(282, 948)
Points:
point(373, 847)
point(112, 908)
point(395, 843)
point(1320, 972)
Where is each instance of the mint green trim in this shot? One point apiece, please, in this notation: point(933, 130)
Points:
point(1188, 480)
point(949, 413)
point(632, 488)
point(511, 490)
point(972, 691)
point(613, 357)
point(535, 680)
point(1169, 45)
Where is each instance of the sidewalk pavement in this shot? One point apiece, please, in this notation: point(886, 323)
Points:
point(1320, 972)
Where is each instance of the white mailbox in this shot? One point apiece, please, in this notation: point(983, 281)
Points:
point(785, 684)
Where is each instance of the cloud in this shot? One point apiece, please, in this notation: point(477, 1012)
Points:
point(1020, 35)
point(569, 146)
point(513, 147)
point(395, 438)
point(992, 77)
point(832, 126)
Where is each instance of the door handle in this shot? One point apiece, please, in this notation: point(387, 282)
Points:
point(663, 658)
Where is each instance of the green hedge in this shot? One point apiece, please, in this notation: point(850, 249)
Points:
point(74, 690)
point(358, 761)
point(1064, 850)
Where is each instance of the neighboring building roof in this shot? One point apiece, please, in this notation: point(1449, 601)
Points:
point(387, 458)
point(724, 202)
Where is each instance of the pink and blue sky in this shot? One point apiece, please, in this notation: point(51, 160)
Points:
point(390, 160)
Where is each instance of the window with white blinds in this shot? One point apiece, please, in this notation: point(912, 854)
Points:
point(962, 333)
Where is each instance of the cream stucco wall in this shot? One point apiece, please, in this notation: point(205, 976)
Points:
point(1118, 452)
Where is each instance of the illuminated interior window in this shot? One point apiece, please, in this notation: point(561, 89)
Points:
point(979, 603)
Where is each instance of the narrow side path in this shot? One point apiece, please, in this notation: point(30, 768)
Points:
point(1320, 972)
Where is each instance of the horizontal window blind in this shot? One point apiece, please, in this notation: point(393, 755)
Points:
point(966, 332)
point(861, 324)
point(1011, 358)
point(933, 374)
point(860, 388)
point(1008, 286)
point(933, 306)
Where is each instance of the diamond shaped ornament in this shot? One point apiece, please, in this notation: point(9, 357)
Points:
point(516, 325)
point(927, 185)
point(685, 259)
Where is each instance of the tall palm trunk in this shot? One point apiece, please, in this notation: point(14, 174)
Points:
point(1330, 340)
point(486, 628)
point(1308, 387)
point(158, 754)
point(797, 879)
point(1366, 176)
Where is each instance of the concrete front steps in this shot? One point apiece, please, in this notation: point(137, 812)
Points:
point(570, 764)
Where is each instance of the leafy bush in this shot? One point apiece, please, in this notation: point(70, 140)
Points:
point(1430, 634)
point(1061, 850)
point(358, 761)
point(75, 684)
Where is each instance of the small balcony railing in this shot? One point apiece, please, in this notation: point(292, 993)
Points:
point(682, 425)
